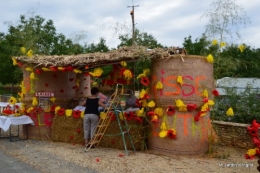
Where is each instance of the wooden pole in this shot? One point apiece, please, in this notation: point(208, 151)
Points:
point(132, 13)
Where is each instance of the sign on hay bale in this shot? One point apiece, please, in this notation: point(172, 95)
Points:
point(197, 76)
point(67, 129)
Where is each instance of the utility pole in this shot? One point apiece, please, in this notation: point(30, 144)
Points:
point(132, 13)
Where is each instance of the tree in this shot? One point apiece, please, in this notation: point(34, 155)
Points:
point(225, 18)
point(34, 34)
point(100, 47)
point(142, 39)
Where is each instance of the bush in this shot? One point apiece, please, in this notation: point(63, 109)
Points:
point(246, 106)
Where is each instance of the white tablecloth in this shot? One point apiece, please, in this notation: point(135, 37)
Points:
point(7, 121)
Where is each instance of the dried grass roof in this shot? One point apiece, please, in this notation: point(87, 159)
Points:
point(134, 53)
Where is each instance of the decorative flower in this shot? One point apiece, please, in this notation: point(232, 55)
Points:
point(34, 101)
point(97, 72)
point(155, 119)
point(138, 119)
point(143, 94)
point(151, 104)
point(214, 42)
point(179, 80)
point(61, 112)
point(145, 81)
point(45, 69)
point(123, 63)
point(68, 112)
point(69, 68)
point(30, 53)
point(151, 113)
point(38, 71)
point(82, 113)
point(210, 58)
point(128, 116)
point(163, 134)
point(127, 74)
point(14, 61)
point(53, 99)
point(215, 92)
point(23, 50)
point(61, 68)
point(29, 69)
point(204, 107)
point(222, 44)
point(32, 76)
point(102, 115)
point(53, 108)
point(230, 112)
point(171, 133)
point(205, 93)
point(12, 100)
point(17, 112)
point(159, 85)
point(250, 154)
point(145, 73)
point(76, 113)
point(180, 105)
point(56, 109)
point(140, 113)
point(30, 109)
point(191, 107)
point(77, 71)
point(170, 110)
point(163, 126)
point(158, 112)
point(241, 48)
point(53, 68)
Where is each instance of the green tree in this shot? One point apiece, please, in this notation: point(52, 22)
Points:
point(100, 47)
point(142, 39)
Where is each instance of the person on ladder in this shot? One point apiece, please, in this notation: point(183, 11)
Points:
point(91, 115)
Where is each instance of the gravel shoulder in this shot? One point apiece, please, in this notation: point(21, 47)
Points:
point(52, 157)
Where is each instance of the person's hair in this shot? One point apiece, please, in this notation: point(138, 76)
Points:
point(94, 91)
point(130, 92)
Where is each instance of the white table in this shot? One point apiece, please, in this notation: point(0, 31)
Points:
point(7, 121)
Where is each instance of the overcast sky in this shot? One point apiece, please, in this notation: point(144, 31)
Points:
point(169, 21)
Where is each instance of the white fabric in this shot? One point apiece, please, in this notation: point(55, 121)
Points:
point(7, 121)
point(131, 110)
point(79, 108)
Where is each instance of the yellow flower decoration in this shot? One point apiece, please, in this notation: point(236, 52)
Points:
point(77, 71)
point(12, 100)
point(45, 69)
point(241, 48)
point(14, 61)
point(52, 99)
point(140, 113)
point(128, 74)
point(158, 112)
point(97, 72)
point(222, 44)
point(214, 42)
point(56, 109)
point(251, 152)
point(29, 69)
point(205, 107)
point(163, 134)
point(103, 115)
point(121, 116)
point(140, 75)
point(144, 103)
point(123, 63)
point(77, 82)
point(23, 50)
point(180, 105)
point(159, 85)
point(94, 83)
point(68, 112)
point(163, 126)
point(211, 103)
point(142, 94)
point(34, 101)
point(61, 68)
point(30, 109)
point(82, 113)
point(151, 104)
point(179, 80)
point(230, 112)
point(32, 76)
point(210, 58)
point(30, 53)
point(205, 93)
point(145, 73)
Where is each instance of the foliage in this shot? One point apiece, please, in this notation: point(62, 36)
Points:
point(245, 105)
point(100, 47)
point(142, 39)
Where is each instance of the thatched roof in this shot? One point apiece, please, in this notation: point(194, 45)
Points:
point(99, 59)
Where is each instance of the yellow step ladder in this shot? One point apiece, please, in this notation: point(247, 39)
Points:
point(113, 105)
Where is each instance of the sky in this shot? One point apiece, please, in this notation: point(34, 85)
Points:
point(169, 21)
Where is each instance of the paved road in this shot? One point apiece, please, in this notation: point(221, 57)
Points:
point(9, 164)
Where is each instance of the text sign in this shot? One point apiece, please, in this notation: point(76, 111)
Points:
point(44, 94)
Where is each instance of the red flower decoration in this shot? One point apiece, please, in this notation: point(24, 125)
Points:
point(171, 134)
point(20, 64)
point(137, 102)
point(76, 113)
point(71, 137)
point(154, 120)
point(205, 100)
point(53, 68)
point(191, 107)
point(61, 112)
point(150, 113)
point(145, 81)
point(138, 119)
point(38, 71)
point(196, 118)
point(215, 92)
point(87, 74)
point(249, 157)
point(170, 110)
point(53, 108)
point(36, 110)
point(69, 68)
point(112, 116)
point(78, 130)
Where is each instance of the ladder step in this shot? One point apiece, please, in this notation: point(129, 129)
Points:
point(103, 125)
point(94, 142)
point(99, 134)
